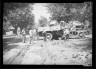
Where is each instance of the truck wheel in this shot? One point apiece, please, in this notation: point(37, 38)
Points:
point(48, 36)
point(81, 35)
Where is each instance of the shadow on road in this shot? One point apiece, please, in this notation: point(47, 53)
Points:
point(7, 41)
point(7, 48)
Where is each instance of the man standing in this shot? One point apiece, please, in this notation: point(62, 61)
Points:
point(44, 34)
point(30, 35)
point(18, 32)
point(87, 23)
point(66, 33)
point(23, 35)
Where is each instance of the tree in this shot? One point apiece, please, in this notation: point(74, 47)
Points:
point(20, 15)
point(57, 11)
point(12, 6)
point(6, 25)
point(83, 13)
point(70, 11)
point(43, 21)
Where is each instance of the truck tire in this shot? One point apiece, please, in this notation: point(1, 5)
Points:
point(49, 36)
point(81, 35)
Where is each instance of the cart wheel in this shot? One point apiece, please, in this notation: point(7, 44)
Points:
point(48, 36)
point(81, 35)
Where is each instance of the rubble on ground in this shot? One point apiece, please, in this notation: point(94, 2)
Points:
point(52, 52)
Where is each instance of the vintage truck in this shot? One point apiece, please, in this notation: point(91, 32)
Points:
point(54, 30)
point(51, 31)
point(78, 30)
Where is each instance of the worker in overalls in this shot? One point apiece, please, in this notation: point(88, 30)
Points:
point(23, 35)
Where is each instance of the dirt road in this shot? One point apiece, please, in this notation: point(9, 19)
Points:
point(71, 52)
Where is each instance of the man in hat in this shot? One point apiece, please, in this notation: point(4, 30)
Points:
point(23, 35)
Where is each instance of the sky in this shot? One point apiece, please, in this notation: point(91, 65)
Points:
point(40, 10)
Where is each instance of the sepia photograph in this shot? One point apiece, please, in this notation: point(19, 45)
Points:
point(47, 34)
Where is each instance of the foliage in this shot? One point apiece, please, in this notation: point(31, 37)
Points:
point(43, 21)
point(12, 6)
point(70, 11)
point(20, 15)
point(6, 25)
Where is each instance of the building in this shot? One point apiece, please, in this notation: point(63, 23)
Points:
point(10, 30)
